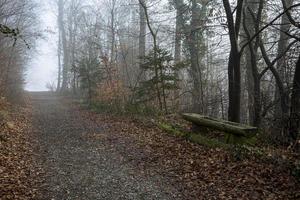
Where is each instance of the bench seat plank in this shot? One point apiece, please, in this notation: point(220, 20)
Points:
point(221, 125)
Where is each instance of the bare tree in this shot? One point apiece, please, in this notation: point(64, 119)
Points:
point(65, 55)
point(234, 65)
point(142, 35)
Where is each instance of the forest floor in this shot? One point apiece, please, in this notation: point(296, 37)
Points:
point(84, 155)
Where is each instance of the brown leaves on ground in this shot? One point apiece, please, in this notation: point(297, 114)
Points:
point(18, 168)
point(199, 172)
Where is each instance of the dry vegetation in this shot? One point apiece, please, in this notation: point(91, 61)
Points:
point(20, 171)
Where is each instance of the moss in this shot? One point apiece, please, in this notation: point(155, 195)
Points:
point(193, 137)
point(240, 140)
point(202, 140)
point(171, 130)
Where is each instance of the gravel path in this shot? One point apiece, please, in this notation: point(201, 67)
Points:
point(79, 168)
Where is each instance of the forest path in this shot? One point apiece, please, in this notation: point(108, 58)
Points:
point(80, 168)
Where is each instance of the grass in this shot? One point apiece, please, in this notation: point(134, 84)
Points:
point(127, 109)
point(238, 150)
point(194, 137)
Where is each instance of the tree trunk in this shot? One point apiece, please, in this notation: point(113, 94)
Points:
point(73, 34)
point(234, 86)
point(142, 38)
point(59, 63)
point(196, 72)
point(179, 6)
point(178, 32)
point(251, 27)
point(64, 45)
point(113, 32)
point(295, 103)
point(234, 71)
point(281, 110)
point(250, 57)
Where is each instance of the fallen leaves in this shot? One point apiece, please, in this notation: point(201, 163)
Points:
point(198, 172)
point(18, 168)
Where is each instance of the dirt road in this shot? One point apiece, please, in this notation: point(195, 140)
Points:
point(79, 168)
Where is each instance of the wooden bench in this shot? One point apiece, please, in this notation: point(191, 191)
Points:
point(233, 129)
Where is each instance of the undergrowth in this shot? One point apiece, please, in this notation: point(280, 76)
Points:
point(193, 137)
point(239, 148)
point(127, 109)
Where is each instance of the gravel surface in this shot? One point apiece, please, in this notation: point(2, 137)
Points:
point(79, 168)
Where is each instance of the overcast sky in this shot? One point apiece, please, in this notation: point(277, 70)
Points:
point(43, 67)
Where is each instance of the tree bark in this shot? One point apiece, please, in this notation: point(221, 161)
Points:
point(65, 69)
point(142, 38)
point(282, 109)
point(196, 71)
point(179, 6)
point(295, 103)
point(58, 87)
point(113, 32)
point(251, 24)
point(247, 58)
point(234, 71)
point(178, 32)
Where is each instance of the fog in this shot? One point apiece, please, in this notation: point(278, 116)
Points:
point(171, 56)
point(42, 68)
point(149, 99)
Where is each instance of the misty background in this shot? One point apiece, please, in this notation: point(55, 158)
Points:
point(42, 68)
point(164, 56)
